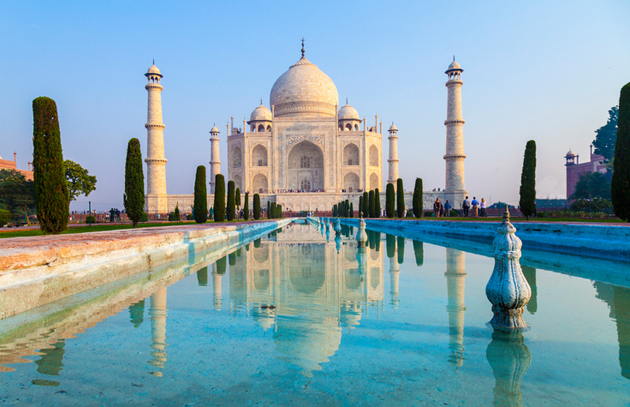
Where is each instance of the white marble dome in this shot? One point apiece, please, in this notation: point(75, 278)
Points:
point(214, 129)
point(348, 112)
point(154, 70)
point(454, 66)
point(261, 113)
point(304, 90)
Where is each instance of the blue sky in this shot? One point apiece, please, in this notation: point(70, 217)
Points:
point(541, 70)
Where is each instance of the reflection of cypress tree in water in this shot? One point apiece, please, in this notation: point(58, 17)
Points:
point(247, 247)
point(370, 235)
point(618, 299)
point(257, 243)
point(509, 358)
point(238, 252)
point(377, 241)
point(158, 330)
point(401, 249)
point(232, 258)
point(418, 250)
point(390, 241)
point(136, 313)
point(202, 277)
point(530, 276)
point(221, 265)
point(51, 361)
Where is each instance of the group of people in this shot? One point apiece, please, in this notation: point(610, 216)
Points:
point(441, 210)
point(473, 209)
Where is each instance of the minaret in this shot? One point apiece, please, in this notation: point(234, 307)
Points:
point(215, 162)
point(156, 198)
point(454, 132)
point(393, 155)
point(456, 287)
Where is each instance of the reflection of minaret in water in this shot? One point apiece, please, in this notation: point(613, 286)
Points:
point(509, 358)
point(456, 285)
point(216, 285)
point(158, 330)
point(394, 274)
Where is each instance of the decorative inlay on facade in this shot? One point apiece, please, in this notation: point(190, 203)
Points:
point(305, 107)
point(296, 138)
point(154, 126)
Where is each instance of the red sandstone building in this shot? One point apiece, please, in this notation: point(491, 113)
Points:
point(575, 170)
point(12, 165)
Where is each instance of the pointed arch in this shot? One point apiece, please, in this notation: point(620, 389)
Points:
point(351, 154)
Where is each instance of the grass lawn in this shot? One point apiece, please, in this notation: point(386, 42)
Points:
point(97, 227)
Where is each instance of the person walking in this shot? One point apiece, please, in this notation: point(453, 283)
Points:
point(447, 209)
point(466, 205)
point(437, 208)
point(483, 213)
point(475, 207)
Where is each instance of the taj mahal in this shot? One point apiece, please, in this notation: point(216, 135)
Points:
point(304, 152)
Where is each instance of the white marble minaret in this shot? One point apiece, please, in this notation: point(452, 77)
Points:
point(156, 198)
point(454, 133)
point(393, 155)
point(215, 162)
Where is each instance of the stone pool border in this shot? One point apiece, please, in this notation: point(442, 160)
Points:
point(604, 241)
point(38, 270)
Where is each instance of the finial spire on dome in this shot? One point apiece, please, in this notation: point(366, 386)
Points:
point(453, 58)
point(303, 51)
point(261, 101)
point(346, 100)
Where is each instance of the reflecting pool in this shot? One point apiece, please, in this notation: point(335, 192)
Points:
point(300, 316)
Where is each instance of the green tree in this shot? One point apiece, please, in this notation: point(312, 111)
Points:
point(5, 217)
point(527, 191)
point(334, 210)
point(400, 198)
point(272, 211)
point(17, 195)
point(201, 195)
point(79, 180)
point(372, 204)
point(377, 203)
point(278, 214)
point(417, 199)
point(256, 206)
point(360, 205)
point(246, 207)
point(176, 215)
point(390, 200)
point(268, 209)
point(230, 201)
point(606, 136)
point(237, 198)
point(592, 185)
point(366, 204)
point(351, 211)
point(620, 186)
point(51, 189)
point(133, 197)
point(219, 198)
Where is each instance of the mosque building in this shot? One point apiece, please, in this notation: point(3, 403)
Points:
point(304, 152)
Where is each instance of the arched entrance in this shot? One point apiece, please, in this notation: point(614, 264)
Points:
point(306, 167)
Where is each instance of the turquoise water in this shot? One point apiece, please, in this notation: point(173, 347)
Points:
point(295, 318)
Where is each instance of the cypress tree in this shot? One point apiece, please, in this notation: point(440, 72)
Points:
point(201, 196)
point(268, 209)
point(246, 207)
point(219, 198)
point(351, 212)
point(278, 211)
point(620, 185)
point(334, 210)
point(360, 205)
point(272, 211)
point(418, 250)
point(390, 200)
point(401, 249)
point(256, 206)
point(366, 204)
point(176, 215)
point(527, 191)
point(400, 198)
point(372, 204)
point(417, 198)
point(230, 201)
point(377, 203)
point(346, 207)
point(237, 198)
point(133, 197)
point(390, 241)
point(51, 190)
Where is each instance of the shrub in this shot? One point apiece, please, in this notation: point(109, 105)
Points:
point(191, 217)
point(256, 206)
point(417, 198)
point(246, 207)
point(5, 217)
point(428, 214)
point(145, 216)
point(540, 214)
point(527, 191)
point(90, 219)
point(219, 198)
point(51, 190)
point(400, 198)
point(230, 201)
point(410, 214)
point(591, 205)
point(453, 213)
point(201, 196)
point(620, 185)
point(133, 197)
point(390, 200)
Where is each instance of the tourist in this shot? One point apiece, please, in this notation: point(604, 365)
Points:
point(475, 207)
point(483, 213)
point(437, 208)
point(447, 209)
point(466, 205)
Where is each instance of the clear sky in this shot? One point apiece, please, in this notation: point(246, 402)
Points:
point(542, 70)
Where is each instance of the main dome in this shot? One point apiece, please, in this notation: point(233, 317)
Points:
point(304, 90)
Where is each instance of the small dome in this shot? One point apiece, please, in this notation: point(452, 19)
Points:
point(154, 70)
point(570, 153)
point(393, 127)
point(348, 112)
point(214, 129)
point(260, 113)
point(454, 66)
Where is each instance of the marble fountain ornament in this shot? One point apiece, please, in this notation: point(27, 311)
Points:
point(507, 289)
point(361, 235)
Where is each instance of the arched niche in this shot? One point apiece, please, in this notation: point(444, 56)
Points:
point(306, 167)
point(351, 182)
point(238, 182)
point(236, 157)
point(261, 280)
point(259, 184)
point(373, 181)
point(374, 156)
point(259, 156)
point(351, 154)
point(375, 277)
point(261, 254)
